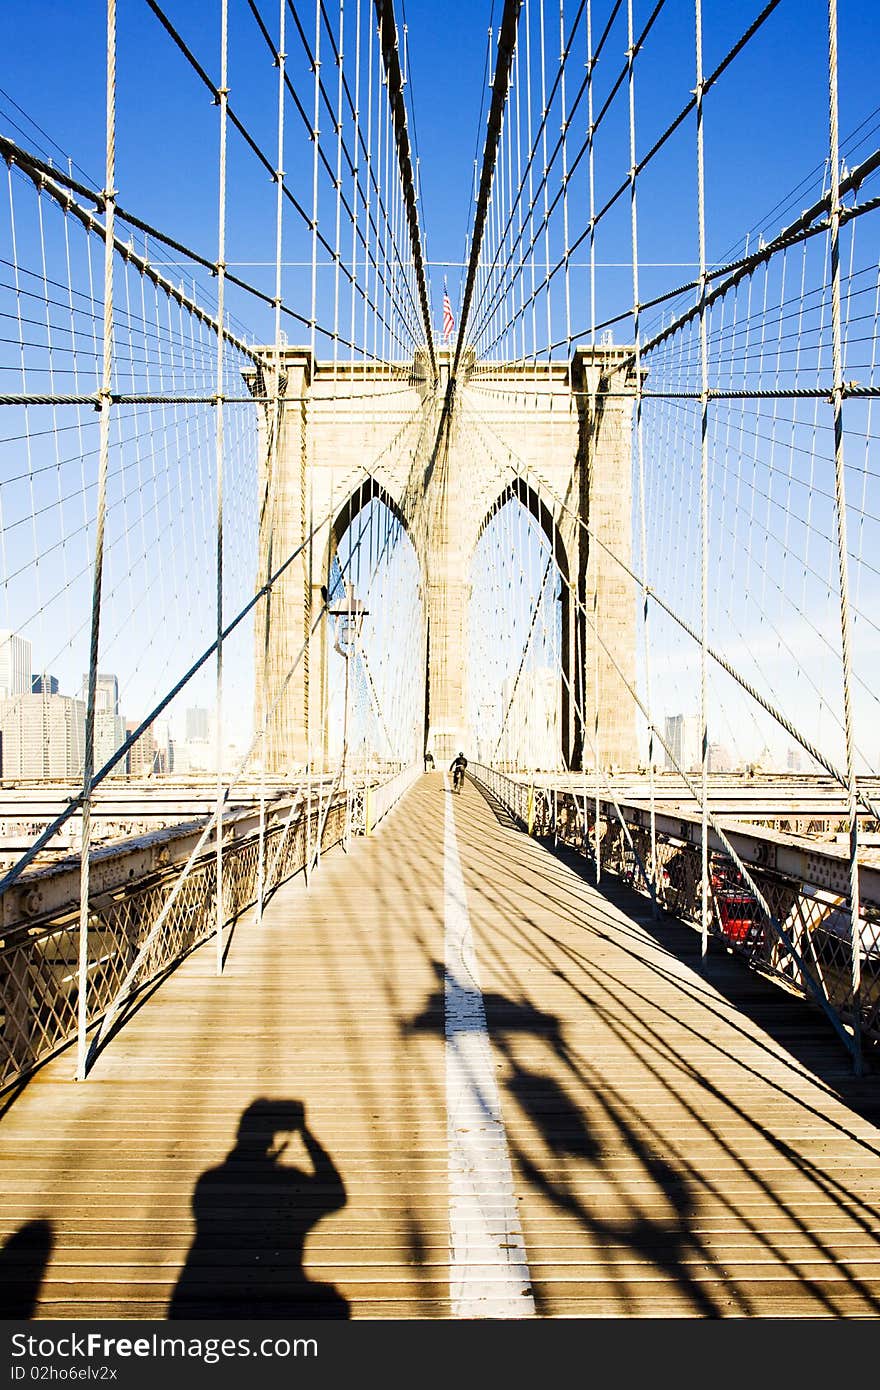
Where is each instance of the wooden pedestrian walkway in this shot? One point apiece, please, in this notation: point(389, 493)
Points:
point(277, 1141)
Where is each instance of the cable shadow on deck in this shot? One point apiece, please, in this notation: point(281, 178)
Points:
point(574, 1153)
point(253, 1214)
point(794, 1024)
point(628, 1016)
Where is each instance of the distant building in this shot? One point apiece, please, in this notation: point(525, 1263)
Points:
point(109, 736)
point(164, 761)
point(197, 725)
point(767, 760)
point(683, 735)
point(195, 755)
point(720, 758)
point(15, 664)
point(42, 684)
point(142, 754)
point(43, 737)
point(106, 692)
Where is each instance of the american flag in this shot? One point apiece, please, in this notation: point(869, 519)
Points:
point(448, 320)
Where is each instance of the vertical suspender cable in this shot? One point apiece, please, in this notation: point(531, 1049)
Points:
point(273, 440)
point(597, 849)
point(521, 211)
point(355, 177)
point(368, 221)
point(98, 570)
point(218, 406)
point(591, 63)
point(566, 249)
point(572, 645)
point(310, 581)
point(548, 293)
point(337, 259)
point(596, 730)
point(842, 561)
point(640, 449)
point(533, 296)
point(380, 208)
point(704, 497)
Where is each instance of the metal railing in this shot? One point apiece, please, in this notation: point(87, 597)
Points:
point(794, 928)
point(372, 801)
point(151, 906)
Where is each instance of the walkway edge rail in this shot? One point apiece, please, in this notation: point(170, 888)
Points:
point(805, 884)
point(154, 902)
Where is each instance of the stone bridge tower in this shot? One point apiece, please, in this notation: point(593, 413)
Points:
point(444, 460)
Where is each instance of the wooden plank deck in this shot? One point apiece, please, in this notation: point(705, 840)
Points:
point(680, 1144)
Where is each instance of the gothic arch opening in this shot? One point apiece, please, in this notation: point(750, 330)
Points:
point(520, 635)
point(372, 559)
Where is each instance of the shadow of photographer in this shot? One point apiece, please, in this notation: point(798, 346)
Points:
point(253, 1214)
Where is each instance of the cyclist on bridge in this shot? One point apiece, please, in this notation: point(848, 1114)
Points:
point(457, 767)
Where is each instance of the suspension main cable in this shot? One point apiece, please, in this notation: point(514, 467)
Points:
point(506, 45)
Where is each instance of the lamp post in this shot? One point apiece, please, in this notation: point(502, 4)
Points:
point(349, 616)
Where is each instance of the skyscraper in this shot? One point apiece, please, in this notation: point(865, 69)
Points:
point(142, 753)
point(106, 693)
point(15, 664)
point(109, 735)
point(682, 733)
point(43, 684)
point(196, 724)
point(43, 736)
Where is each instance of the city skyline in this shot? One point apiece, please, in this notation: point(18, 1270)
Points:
point(42, 727)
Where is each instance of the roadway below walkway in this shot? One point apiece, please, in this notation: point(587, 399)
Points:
point(451, 1078)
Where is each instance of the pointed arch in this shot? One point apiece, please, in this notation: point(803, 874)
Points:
point(518, 491)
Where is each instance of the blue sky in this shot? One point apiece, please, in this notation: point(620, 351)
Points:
point(766, 122)
point(766, 142)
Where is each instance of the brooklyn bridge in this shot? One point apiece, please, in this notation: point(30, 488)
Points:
point(295, 511)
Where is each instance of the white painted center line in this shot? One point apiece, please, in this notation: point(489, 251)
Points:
point(488, 1270)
